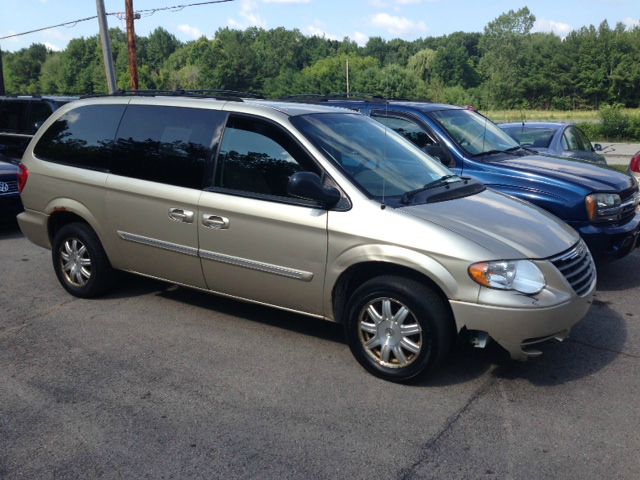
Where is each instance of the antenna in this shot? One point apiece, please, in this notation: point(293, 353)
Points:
point(384, 156)
point(347, 69)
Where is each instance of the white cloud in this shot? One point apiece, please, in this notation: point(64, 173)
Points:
point(317, 29)
point(190, 31)
point(51, 46)
point(360, 38)
point(286, 2)
point(251, 16)
point(631, 22)
point(559, 28)
point(398, 25)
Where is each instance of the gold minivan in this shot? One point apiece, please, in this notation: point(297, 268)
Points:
point(309, 209)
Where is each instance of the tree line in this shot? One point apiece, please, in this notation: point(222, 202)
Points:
point(505, 66)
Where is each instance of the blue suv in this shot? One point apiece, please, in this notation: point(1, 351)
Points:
point(600, 203)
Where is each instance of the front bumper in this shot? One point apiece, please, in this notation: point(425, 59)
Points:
point(516, 329)
point(608, 242)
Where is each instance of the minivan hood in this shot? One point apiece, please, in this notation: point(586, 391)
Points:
point(508, 227)
point(6, 167)
point(592, 177)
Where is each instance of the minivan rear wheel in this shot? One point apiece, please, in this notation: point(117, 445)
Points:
point(398, 328)
point(80, 263)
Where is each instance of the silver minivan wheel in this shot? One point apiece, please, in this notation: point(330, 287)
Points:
point(389, 332)
point(75, 262)
point(80, 262)
point(398, 328)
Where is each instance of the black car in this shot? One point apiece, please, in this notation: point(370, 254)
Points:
point(20, 118)
point(10, 204)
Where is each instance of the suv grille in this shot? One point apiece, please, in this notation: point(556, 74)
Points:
point(11, 186)
point(577, 267)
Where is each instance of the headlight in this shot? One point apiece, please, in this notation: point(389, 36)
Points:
point(603, 206)
point(521, 275)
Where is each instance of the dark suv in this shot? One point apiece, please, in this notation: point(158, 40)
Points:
point(600, 203)
point(20, 118)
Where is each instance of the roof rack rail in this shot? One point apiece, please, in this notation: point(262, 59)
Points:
point(313, 97)
point(218, 94)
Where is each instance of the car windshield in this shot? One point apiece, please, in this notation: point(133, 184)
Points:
point(380, 161)
point(475, 134)
point(531, 137)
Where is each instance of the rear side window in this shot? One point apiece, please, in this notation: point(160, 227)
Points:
point(13, 115)
point(171, 145)
point(39, 112)
point(82, 137)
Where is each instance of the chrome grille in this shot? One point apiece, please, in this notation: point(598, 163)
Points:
point(576, 264)
point(11, 187)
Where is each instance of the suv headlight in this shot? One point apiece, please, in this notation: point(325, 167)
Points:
point(603, 206)
point(523, 276)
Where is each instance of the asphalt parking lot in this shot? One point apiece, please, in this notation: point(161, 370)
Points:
point(156, 381)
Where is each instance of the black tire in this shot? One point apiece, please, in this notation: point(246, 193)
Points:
point(84, 273)
point(399, 361)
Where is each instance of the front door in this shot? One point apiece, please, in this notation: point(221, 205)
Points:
point(256, 241)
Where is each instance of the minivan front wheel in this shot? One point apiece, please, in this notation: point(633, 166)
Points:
point(80, 263)
point(398, 328)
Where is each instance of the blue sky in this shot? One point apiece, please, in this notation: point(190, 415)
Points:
point(357, 19)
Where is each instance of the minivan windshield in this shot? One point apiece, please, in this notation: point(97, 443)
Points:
point(475, 134)
point(381, 162)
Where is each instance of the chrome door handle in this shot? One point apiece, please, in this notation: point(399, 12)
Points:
point(215, 222)
point(180, 215)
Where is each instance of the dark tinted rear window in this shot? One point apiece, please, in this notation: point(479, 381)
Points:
point(39, 112)
point(82, 137)
point(170, 145)
point(13, 115)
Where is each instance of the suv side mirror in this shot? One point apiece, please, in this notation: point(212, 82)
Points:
point(437, 152)
point(308, 185)
point(597, 147)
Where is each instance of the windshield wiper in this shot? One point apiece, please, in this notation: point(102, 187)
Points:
point(407, 196)
point(497, 152)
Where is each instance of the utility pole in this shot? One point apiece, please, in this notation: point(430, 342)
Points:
point(131, 41)
point(106, 47)
point(2, 92)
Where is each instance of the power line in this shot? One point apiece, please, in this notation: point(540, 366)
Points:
point(146, 12)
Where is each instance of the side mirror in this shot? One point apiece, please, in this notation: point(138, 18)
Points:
point(308, 185)
point(437, 152)
point(597, 147)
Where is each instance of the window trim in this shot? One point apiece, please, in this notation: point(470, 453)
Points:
point(343, 205)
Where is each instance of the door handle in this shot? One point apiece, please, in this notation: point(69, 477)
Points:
point(180, 215)
point(215, 222)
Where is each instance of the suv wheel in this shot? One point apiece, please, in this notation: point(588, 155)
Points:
point(398, 329)
point(80, 262)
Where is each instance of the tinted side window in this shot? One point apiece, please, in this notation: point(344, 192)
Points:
point(407, 128)
point(39, 112)
point(13, 115)
point(258, 157)
point(82, 137)
point(170, 145)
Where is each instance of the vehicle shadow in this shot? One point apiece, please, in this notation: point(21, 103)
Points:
point(595, 342)
point(248, 311)
point(9, 228)
point(620, 274)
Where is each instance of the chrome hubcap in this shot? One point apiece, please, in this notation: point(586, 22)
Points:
point(389, 332)
point(75, 262)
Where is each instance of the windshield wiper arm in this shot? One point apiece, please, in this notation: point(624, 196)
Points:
point(489, 152)
point(407, 196)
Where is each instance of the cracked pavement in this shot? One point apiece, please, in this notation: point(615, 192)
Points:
point(156, 381)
